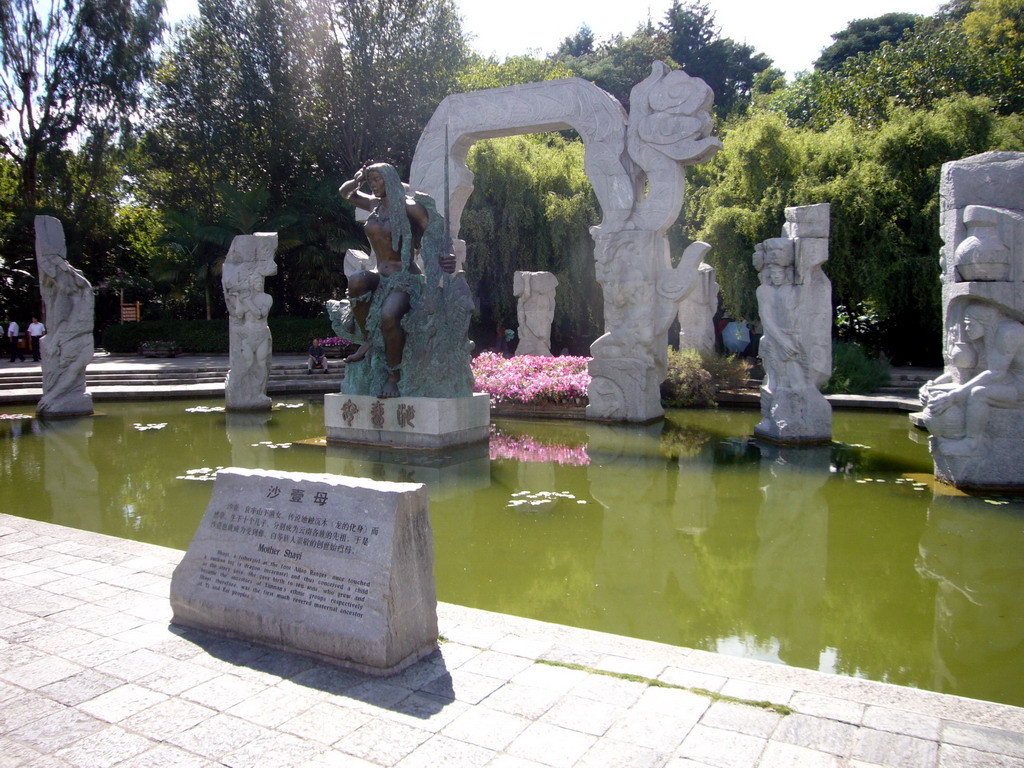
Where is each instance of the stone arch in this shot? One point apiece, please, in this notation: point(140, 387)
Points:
point(463, 119)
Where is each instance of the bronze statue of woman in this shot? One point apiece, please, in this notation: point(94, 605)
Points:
point(381, 299)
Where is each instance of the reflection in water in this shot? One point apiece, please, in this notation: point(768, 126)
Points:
point(245, 432)
point(70, 476)
point(973, 554)
point(791, 563)
point(688, 532)
point(506, 444)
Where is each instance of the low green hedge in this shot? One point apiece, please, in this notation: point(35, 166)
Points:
point(291, 334)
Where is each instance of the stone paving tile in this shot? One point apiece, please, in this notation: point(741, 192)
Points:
point(104, 749)
point(22, 710)
point(440, 750)
point(376, 694)
point(583, 715)
point(382, 741)
point(523, 700)
point(216, 736)
point(137, 664)
point(907, 723)
point(528, 648)
point(984, 739)
point(477, 637)
point(336, 759)
point(486, 728)
point(552, 678)
point(550, 745)
point(689, 679)
point(222, 692)
point(722, 749)
point(494, 664)
point(464, 686)
point(564, 654)
point(454, 655)
point(741, 718)
point(113, 624)
point(76, 689)
point(609, 688)
point(327, 680)
point(895, 750)
point(14, 655)
point(655, 731)
point(419, 675)
point(744, 689)
point(281, 750)
point(953, 756)
point(175, 676)
point(817, 733)
point(673, 701)
point(166, 756)
point(98, 652)
point(15, 755)
point(41, 672)
point(167, 718)
point(57, 730)
point(270, 707)
point(607, 753)
point(82, 614)
point(326, 722)
point(624, 666)
point(779, 755)
point(828, 706)
point(121, 702)
point(426, 711)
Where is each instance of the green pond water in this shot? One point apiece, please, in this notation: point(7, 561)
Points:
point(844, 558)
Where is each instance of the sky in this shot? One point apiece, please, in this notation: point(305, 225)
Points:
point(791, 32)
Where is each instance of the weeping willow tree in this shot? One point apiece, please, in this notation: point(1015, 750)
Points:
point(531, 209)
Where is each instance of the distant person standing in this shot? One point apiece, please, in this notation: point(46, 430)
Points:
point(35, 332)
point(13, 332)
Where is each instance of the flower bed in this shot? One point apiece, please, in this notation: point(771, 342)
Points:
point(532, 380)
point(336, 347)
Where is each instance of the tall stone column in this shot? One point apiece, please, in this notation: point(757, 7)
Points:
point(795, 304)
point(68, 344)
point(249, 261)
point(975, 409)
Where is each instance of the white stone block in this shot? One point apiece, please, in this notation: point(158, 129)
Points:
point(410, 422)
point(337, 568)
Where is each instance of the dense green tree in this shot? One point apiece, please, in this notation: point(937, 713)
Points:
point(487, 72)
point(882, 184)
point(531, 209)
point(623, 61)
point(864, 36)
point(579, 44)
point(696, 45)
point(67, 67)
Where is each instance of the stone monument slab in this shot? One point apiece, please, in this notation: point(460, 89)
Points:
point(337, 568)
point(407, 422)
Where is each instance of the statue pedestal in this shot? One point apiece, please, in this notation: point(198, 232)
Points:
point(407, 422)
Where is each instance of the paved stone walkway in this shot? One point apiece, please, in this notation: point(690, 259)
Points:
point(93, 674)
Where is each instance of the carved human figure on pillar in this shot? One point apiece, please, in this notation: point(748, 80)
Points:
point(794, 302)
point(68, 345)
point(697, 311)
point(249, 261)
point(988, 374)
point(535, 311)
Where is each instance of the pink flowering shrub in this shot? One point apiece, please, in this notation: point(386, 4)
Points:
point(531, 379)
